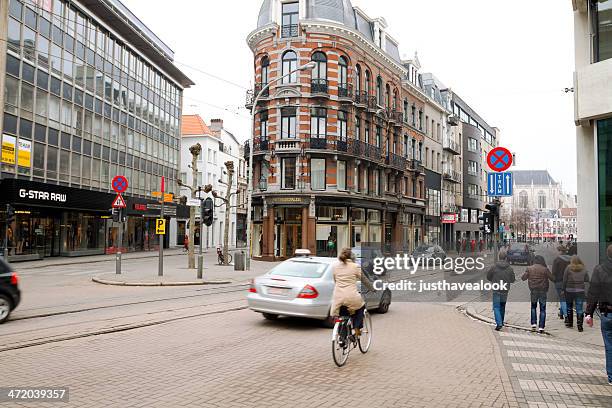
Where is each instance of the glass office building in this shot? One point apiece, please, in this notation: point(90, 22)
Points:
point(89, 92)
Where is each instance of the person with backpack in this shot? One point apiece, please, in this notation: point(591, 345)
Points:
point(574, 289)
point(538, 275)
point(600, 297)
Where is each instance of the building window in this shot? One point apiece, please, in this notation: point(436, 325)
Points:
point(290, 19)
point(406, 146)
point(317, 174)
point(342, 125)
point(523, 199)
point(343, 77)
point(473, 191)
point(265, 71)
point(541, 200)
point(318, 123)
point(601, 12)
point(319, 74)
point(367, 84)
point(472, 168)
point(379, 91)
point(604, 142)
point(377, 189)
point(289, 67)
point(288, 123)
point(288, 173)
point(357, 128)
point(413, 115)
point(378, 136)
point(367, 132)
point(472, 145)
point(357, 80)
point(341, 175)
point(263, 126)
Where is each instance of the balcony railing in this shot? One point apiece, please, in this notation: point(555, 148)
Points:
point(451, 146)
point(319, 86)
point(416, 165)
point(396, 161)
point(372, 152)
point(342, 145)
point(361, 98)
point(289, 30)
point(451, 175)
point(318, 143)
point(284, 145)
point(252, 93)
point(345, 91)
point(372, 102)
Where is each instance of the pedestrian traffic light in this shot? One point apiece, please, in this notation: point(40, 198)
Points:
point(208, 212)
point(486, 223)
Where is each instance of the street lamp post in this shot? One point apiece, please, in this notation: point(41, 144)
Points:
point(306, 67)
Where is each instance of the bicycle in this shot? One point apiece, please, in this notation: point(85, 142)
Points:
point(344, 339)
point(221, 258)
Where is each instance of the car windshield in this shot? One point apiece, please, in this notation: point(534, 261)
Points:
point(423, 248)
point(300, 269)
point(517, 246)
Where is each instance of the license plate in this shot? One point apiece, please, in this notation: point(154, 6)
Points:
point(278, 291)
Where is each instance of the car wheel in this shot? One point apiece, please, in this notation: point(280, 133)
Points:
point(270, 316)
point(385, 302)
point(5, 308)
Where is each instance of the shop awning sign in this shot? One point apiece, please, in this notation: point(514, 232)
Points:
point(119, 202)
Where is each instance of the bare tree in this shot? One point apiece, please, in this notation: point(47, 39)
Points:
point(195, 151)
point(225, 202)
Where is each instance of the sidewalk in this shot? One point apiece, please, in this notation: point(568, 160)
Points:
point(518, 315)
point(144, 272)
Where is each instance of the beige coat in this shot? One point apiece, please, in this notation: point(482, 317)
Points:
point(346, 294)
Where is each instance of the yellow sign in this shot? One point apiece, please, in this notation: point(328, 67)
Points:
point(160, 226)
point(24, 153)
point(167, 197)
point(8, 149)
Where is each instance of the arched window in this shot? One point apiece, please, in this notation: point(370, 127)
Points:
point(343, 77)
point(395, 100)
point(379, 91)
point(357, 79)
point(319, 74)
point(387, 96)
point(367, 84)
point(265, 71)
point(289, 65)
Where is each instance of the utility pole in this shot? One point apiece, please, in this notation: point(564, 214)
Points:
point(160, 266)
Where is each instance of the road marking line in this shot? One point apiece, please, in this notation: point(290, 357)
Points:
point(556, 369)
point(565, 388)
point(554, 356)
point(534, 337)
point(522, 344)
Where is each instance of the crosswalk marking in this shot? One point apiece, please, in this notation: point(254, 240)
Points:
point(554, 356)
point(533, 337)
point(556, 369)
point(523, 344)
point(565, 387)
point(556, 405)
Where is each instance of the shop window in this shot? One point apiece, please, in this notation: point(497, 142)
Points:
point(374, 216)
point(325, 213)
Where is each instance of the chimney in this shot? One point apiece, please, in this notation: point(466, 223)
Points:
point(216, 125)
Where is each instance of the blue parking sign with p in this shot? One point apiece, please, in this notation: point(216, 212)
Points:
point(499, 184)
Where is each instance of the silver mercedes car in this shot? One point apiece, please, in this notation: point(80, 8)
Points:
point(303, 287)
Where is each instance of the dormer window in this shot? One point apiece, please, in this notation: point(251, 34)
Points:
point(290, 19)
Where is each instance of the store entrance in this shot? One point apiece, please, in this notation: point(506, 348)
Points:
point(47, 235)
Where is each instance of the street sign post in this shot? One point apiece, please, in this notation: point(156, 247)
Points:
point(499, 184)
point(499, 159)
point(160, 226)
point(160, 266)
point(120, 185)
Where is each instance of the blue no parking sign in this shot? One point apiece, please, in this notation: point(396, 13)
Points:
point(499, 184)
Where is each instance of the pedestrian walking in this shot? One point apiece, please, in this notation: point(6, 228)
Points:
point(503, 274)
point(458, 246)
point(537, 276)
point(600, 297)
point(574, 288)
point(558, 269)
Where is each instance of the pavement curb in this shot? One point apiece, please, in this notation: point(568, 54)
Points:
point(84, 260)
point(187, 283)
point(469, 310)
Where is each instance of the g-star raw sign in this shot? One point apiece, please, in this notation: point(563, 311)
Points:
point(42, 195)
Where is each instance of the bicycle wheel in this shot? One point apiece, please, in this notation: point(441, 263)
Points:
point(229, 258)
point(365, 340)
point(340, 344)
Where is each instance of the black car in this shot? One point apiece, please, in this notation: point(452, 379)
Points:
point(9, 290)
point(519, 252)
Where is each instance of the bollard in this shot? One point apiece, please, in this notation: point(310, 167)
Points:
point(200, 266)
point(118, 263)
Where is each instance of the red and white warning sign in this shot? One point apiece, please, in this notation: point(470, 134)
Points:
point(119, 202)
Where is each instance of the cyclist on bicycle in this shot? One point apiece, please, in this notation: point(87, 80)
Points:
point(346, 274)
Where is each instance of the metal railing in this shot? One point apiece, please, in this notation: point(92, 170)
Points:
point(320, 86)
point(395, 160)
point(289, 30)
point(318, 143)
point(345, 91)
point(416, 165)
point(451, 145)
point(451, 175)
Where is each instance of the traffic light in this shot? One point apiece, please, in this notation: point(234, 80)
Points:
point(493, 208)
point(208, 212)
point(116, 214)
point(487, 222)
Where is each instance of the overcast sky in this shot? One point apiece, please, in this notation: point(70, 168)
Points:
point(509, 60)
